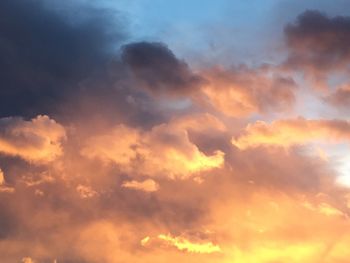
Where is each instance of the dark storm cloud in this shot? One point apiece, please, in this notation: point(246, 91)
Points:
point(318, 43)
point(158, 70)
point(45, 53)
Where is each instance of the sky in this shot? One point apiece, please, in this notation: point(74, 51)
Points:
point(174, 131)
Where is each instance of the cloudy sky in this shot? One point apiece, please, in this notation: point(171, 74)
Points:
point(152, 131)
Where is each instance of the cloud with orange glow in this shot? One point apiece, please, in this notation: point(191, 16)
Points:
point(165, 150)
point(129, 139)
point(37, 140)
point(290, 132)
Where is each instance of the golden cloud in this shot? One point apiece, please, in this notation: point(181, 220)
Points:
point(184, 244)
point(149, 160)
point(286, 133)
point(27, 260)
point(37, 140)
point(148, 185)
point(164, 150)
point(4, 188)
point(242, 92)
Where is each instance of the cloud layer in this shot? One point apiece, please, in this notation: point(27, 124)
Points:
point(120, 148)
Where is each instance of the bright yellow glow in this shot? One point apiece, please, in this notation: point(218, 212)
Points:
point(148, 185)
point(184, 244)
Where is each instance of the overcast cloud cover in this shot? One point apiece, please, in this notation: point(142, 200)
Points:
point(166, 131)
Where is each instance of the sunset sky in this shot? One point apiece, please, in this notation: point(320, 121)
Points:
point(167, 131)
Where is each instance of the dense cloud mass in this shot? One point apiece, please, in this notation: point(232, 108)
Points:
point(45, 53)
point(319, 44)
point(139, 152)
point(156, 69)
point(115, 147)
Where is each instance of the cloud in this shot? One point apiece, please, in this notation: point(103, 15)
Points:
point(340, 98)
point(85, 191)
point(148, 185)
point(43, 63)
point(118, 145)
point(136, 163)
point(145, 240)
point(237, 91)
point(183, 244)
point(97, 240)
point(4, 188)
point(286, 133)
point(27, 260)
point(318, 44)
point(325, 209)
point(263, 235)
point(241, 92)
point(37, 140)
point(165, 150)
point(2, 179)
point(157, 69)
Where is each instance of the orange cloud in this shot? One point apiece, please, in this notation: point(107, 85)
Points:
point(184, 244)
point(269, 227)
point(100, 241)
point(4, 188)
point(137, 180)
point(290, 132)
point(325, 209)
point(164, 150)
point(118, 145)
point(85, 191)
point(148, 185)
point(242, 92)
point(37, 140)
point(27, 260)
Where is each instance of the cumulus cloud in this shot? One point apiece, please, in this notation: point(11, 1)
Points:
point(158, 70)
point(238, 92)
point(123, 138)
point(165, 150)
point(290, 132)
point(42, 64)
point(37, 140)
point(241, 92)
point(146, 159)
point(318, 44)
